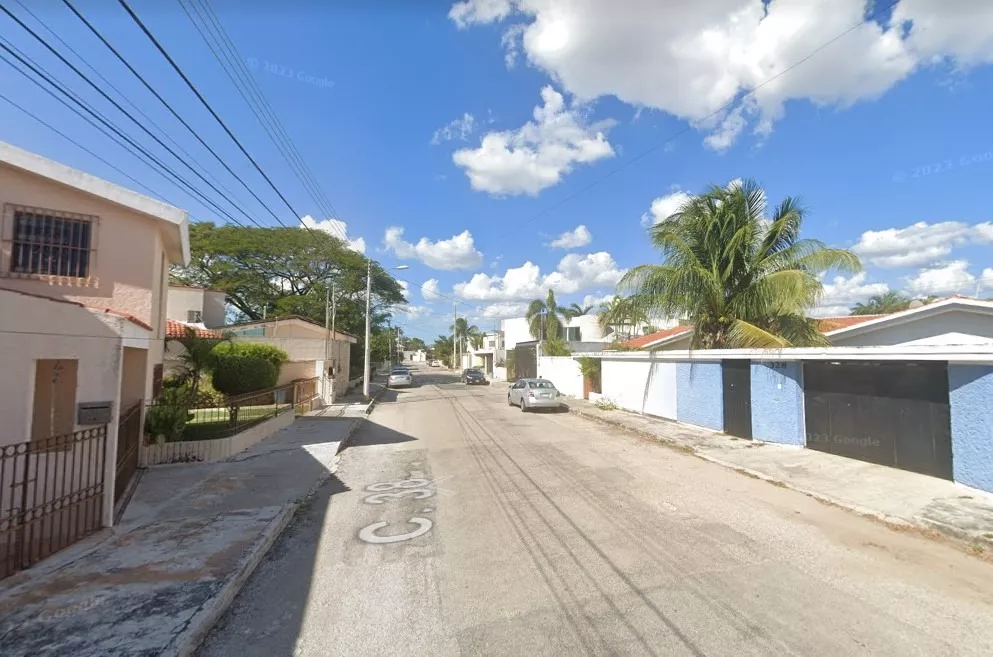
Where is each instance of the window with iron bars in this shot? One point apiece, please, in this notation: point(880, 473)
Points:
point(51, 244)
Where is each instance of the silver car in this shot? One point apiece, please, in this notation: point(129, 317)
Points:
point(533, 393)
point(399, 378)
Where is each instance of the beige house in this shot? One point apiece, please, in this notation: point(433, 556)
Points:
point(312, 349)
point(83, 279)
point(196, 306)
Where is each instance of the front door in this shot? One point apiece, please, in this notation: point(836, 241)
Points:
point(738, 397)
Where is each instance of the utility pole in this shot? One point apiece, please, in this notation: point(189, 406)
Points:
point(367, 374)
point(455, 331)
point(327, 339)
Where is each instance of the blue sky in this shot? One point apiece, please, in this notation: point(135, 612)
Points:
point(422, 119)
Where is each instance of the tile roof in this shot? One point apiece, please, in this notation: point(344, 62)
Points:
point(643, 340)
point(118, 313)
point(176, 329)
point(828, 324)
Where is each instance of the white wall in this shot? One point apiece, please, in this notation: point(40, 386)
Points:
point(515, 330)
point(33, 329)
point(180, 300)
point(564, 372)
point(660, 398)
point(640, 386)
point(955, 327)
point(214, 308)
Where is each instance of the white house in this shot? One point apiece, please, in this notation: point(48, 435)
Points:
point(196, 306)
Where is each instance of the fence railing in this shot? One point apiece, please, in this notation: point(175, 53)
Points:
point(232, 415)
point(51, 495)
point(128, 441)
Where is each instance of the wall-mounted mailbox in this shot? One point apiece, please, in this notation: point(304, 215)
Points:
point(94, 412)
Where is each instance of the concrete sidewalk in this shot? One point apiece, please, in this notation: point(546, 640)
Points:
point(897, 497)
point(191, 536)
point(351, 404)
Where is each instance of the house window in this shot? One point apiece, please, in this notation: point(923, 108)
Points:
point(51, 244)
point(573, 334)
point(194, 317)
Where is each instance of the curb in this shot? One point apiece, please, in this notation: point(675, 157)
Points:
point(204, 620)
point(923, 524)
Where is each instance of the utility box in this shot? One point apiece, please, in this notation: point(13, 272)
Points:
point(94, 412)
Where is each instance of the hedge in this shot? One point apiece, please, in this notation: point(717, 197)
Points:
point(242, 367)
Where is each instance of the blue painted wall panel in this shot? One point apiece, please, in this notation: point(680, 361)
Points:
point(970, 389)
point(777, 403)
point(700, 394)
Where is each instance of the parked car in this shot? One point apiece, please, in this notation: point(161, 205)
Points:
point(533, 393)
point(473, 377)
point(435, 363)
point(400, 377)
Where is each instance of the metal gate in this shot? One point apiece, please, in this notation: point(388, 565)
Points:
point(526, 360)
point(128, 442)
point(737, 397)
point(894, 414)
point(51, 495)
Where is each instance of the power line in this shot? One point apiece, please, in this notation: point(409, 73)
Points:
point(158, 96)
point(115, 104)
point(40, 72)
point(230, 60)
point(119, 92)
point(210, 109)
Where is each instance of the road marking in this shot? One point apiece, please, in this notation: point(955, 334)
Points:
point(369, 535)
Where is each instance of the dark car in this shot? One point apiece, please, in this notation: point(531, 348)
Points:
point(473, 377)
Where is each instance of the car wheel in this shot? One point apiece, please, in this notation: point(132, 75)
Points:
point(524, 406)
point(509, 403)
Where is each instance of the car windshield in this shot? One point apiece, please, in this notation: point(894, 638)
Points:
point(547, 385)
point(474, 372)
point(400, 372)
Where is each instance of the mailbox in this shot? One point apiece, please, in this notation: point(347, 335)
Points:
point(94, 412)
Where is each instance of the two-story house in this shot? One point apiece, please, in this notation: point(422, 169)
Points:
point(84, 269)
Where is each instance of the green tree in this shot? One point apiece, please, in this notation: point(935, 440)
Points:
point(621, 314)
point(442, 348)
point(275, 272)
point(890, 302)
point(744, 280)
point(544, 318)
point(575, 310)
point(465, 333)
point(195, 360)
point(415, 344)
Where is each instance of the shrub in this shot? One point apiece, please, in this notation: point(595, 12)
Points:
point(235, 374)
point(605, 404)
point(166, 420)
point(555, 347)
point(590, 368)
point(267, 352)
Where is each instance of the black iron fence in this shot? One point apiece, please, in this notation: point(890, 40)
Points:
point(128, 442)
point(51, 495)
point(172, 420)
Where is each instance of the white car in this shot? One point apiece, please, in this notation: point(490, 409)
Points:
point(400, 378)
point(436, 363)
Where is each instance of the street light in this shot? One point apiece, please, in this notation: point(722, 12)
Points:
point(367, 373)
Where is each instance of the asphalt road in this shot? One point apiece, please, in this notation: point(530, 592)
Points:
point(544, 534)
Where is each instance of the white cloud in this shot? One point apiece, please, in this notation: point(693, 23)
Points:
point(596, 301)
point(430, 290)
point(572, 239)
point(414, 312)
point(457, 252)
point(691, 58)
point(335, 227)
point(918, 244)
point(948, 278)
point(843, 293)
point(574, 273)
point(459, 129)
point(663, 207)
point(503, 310)
point(536, 155)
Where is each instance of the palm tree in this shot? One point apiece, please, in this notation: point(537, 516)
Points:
point(476, 338)
point(544, 318)
point(742, 279)
point(882, 304)
point(463, 331)
point(575, 310)
point(622, 314)
point(197, 358)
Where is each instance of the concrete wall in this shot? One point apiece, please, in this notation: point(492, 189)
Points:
point(971, 395)
point(34, 329)
point(954, 327)
point(700, 394)
point(625, 383)
point(660, 393)
point(777, 402)
point(563, 371)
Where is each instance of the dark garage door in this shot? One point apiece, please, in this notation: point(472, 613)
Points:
point(737, 397)
point(526, 361)
point(893, 414)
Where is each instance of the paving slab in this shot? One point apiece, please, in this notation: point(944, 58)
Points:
point(192, 534)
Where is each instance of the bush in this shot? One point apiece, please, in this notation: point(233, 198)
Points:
point(555, 347)
point(235, 374)
point(267, 352)
point(165, 421)
point(590, 368)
